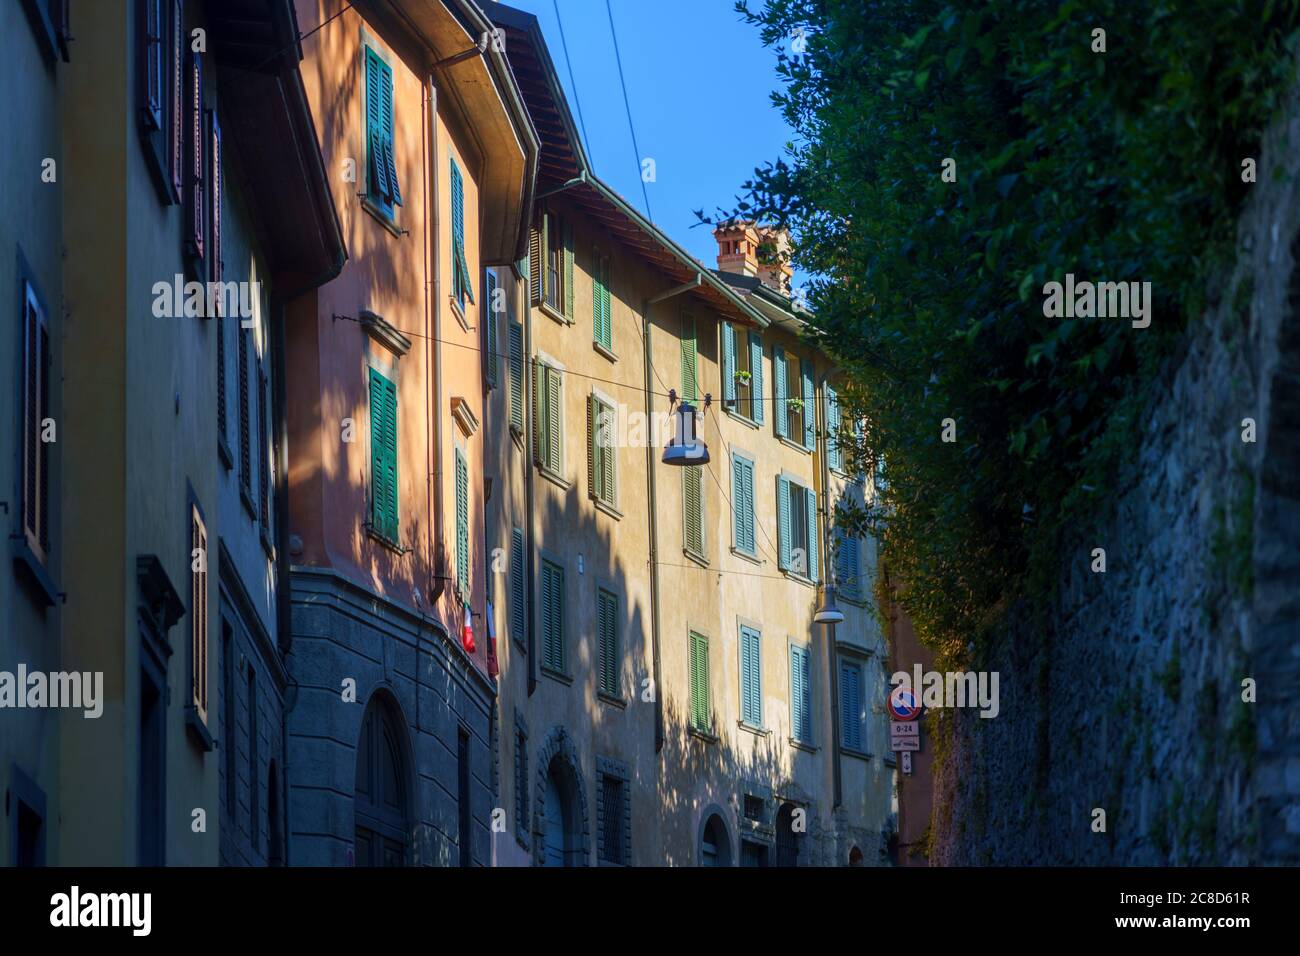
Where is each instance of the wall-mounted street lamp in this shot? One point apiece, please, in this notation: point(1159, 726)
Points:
point(686, 448)
point(829, 612)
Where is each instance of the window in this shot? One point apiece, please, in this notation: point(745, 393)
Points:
point(384, 192)
point(742, 499)
point(196, 173)
point(198, 613)
point(751, 677)
point(463, 798)
point(701, 708)
point(547, 425)
point(161, 93)
point(151, 804)
point(550, 255)
point(518, 589)
point(851, 716)
point(461, 287)
point(602, 314)
point(245, 440)
point(690, 364)
point(796, 513)
point(755, 808)
point(38, 425)
point(553, 650)
point(693, 510)
point(800, 695)
point(254, 813)
point(217, 271)
point(607, 642)
point(490, 353)
point(847, 572)
point(602, 453)
point(462, 526)
point(742, 372)
point(522, 823)
point(613, 813)
point(793, 394)
point(516, 377)
point(50, 20)
point(26, 807)
point(383, 457)
point(834, 455)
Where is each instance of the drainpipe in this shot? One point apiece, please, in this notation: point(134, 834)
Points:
point(654, 500)
point(433, 357)
point(530, 535)
point(831, 656)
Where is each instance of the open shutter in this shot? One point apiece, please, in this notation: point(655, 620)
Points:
point(568, 270)
point(594, 477)
point(197, 199)
point(834, 456)
point(553, 419)
point(390, 442)
point(490, 329)
point(780, 415)
point(809, 414)
point(376, 158)
point(690, 359)
point(814, 539)
point(215, 263)
point(536, 261)
point(608, 310)
point(539, 412)
point(691, 508)
point(518, 608)
point(462, 525)
point(516, 376)
point(798, 696)
point(756, 376)
point(728, 363)
point(783, 522)
point(386, 130)
point(178, 99)
point(378, 453)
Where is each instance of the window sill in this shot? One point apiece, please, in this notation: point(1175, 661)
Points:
point(47, 590)
point(224, 453)
point(603, 505)
point(800, 579)
point(795, 445)
point(743, 419)
point(550, 311)
point(751, 558)
point(556, 676)
point(384, 218)
point(804, 745)
point(756, 731)
point(608, 353)
point(246, 498)
point(704, 735)
point(458, 310)
point(695, 556)
point(553, 478)
point(384, 540)
point(854, 752)
point(198, 730)
point(610, 699)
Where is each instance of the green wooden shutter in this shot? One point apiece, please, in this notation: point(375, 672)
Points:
point(692, 509)
point(537, 261)
point(462, 523)
point(386, 130)
point(376, 157)
point(756, 376)
point(539, 416)
point(557, 616)
point(738, 503)
point(594, 477)
point(780, 414)
point(553, 419)
point(518, 577)
point(783, 522)
point(833, 455)
point(809, 413)
point(605, 286)
point(690, 363)
point(814, 539)
point(728, 363)
point(850, 706)
point(602, 325)
point(607, 630)
point(700, 715)
point(568, 270)
point(490, 329)
point(751, 678)
point(517, 376)
point(383, 455)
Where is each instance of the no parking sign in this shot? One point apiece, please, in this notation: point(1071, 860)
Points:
point(903, 704)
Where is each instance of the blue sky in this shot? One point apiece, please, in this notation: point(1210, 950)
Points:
point(699, 84)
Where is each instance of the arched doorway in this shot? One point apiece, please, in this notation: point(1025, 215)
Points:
point(787, 840)
point(381, 800)
point(715, 845)
point(855, 857)
point(561, 836)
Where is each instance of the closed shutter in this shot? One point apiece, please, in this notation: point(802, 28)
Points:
point(518, 579)
point(178, 99)
point(850, 706)
point(814, 539)
point(600, 302)
point(692, 509)
point(594, 477)
point(199, 613)
point(780, 414)
point(800, 703)
point(462, 525)
point(245, 449)
point(567, 234)
point(553, 419)
point(516, 376)
point(784, 545)
point(383, 449)
point(847, 570)
point(197, 198)
point(833, 455)
point(263, 452)
point(553, 616)
point(809, 415)
point(607, 628)
point(153, 56)
point(700, 715)
point(539, 417)
point(758, 398)
point(751, 678)
point(690, 360)
point(490, 329)
point(608, 304)
point(742, 492)
point(37, 363)
point(221, 379)
point(728, 363)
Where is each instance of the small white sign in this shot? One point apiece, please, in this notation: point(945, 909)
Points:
point(904, 728)
point(897, 744)
point(907, 762)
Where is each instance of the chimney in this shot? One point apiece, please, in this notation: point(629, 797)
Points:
point(748, 249)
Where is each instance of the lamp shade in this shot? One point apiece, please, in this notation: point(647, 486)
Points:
point(685, 448)
point(829, 612)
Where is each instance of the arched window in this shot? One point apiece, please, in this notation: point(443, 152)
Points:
point(562, 835)
point(715, 847)
point(381, 800)
point(787, 840)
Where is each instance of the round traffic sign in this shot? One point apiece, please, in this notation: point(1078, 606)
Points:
point(903, 704)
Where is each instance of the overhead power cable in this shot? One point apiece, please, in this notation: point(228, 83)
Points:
point(628, 106)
